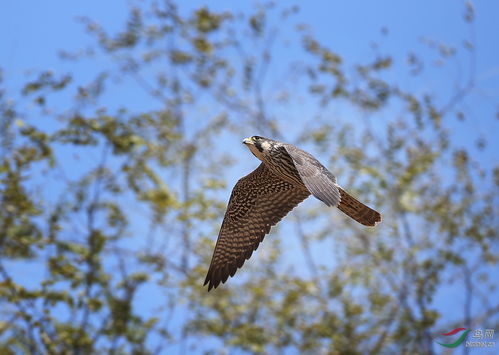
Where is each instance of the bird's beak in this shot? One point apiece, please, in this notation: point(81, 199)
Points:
point(248, 140)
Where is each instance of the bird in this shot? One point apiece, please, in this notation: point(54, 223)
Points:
point(286, 176)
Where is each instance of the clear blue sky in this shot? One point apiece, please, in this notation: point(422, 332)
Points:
point(32, 33)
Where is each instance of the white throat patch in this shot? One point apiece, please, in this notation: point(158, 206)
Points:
point(255, 151)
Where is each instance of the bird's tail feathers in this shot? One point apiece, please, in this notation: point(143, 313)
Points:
point(355, 209)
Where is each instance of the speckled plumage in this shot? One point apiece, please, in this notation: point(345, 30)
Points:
point(286, 176)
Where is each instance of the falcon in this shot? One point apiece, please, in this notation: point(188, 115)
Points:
point(286, 177)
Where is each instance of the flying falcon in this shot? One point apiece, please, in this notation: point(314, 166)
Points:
point(286, 176)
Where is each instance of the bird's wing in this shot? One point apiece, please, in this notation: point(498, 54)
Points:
point(258, 201)
point(318, 180)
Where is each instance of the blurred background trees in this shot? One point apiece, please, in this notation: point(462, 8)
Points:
point(113, 187)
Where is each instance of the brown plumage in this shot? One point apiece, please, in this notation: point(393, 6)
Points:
point(286, 176)
point(355, 209)
point(258, 201)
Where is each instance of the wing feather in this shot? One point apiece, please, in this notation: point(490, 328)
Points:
point(318, 180)
point(258, 201)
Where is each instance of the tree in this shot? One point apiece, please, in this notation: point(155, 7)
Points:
point(110, 211)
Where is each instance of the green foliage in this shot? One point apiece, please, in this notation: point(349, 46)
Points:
point(112, 212)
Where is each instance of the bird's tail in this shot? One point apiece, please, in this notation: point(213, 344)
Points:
point(357, 210)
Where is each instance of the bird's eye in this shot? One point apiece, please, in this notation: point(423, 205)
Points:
point(257, 137)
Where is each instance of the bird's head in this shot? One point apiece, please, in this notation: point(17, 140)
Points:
point(259, 146)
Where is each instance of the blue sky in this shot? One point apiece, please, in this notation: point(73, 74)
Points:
point(33, 32)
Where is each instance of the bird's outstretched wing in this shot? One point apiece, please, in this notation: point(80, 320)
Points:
point(322, 184)
point(258, 201)
point(318, 180)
